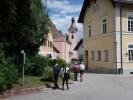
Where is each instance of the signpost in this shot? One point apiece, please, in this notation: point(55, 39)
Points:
point(22, 52)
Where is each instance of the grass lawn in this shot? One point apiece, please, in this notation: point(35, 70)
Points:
point(34, 81)
point(31, 81)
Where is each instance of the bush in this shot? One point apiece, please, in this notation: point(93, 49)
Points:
point(8, 73)
point(51, 62)
point(62, 62)
point(48, 71)
point(35, 66)
point(48, 74)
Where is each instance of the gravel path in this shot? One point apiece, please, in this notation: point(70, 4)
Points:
point(94, 87)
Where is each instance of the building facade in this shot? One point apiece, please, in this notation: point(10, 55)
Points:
point(79, 49)
point(62, 43)
point(108, 35)
point(47, 48)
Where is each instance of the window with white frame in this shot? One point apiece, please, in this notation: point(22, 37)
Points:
point(130, 52)
point(106, 55)
point(98, 55)
point(104, 25)
point(92, 55)
point(90, 30)
point(130, 23)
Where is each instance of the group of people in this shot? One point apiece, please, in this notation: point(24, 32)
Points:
point(64, 72)
point(78, 69)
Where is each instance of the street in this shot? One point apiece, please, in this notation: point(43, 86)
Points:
point(93, 87)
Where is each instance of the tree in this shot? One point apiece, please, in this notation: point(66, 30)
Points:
point(22, 25)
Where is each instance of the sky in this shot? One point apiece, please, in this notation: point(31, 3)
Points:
point(61, 12)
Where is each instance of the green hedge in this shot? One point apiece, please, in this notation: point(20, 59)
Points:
point(35, 66)
point(48, 74)
point(8, 73)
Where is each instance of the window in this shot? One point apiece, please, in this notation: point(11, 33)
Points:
point(92, 55)
point(130, 52)
point(106, 55)
point(48, 43)
point(86, 57)
point(90, 30)
point(72, 37)
point(98, 55)
point(104, 25)
point(130, 23)
point(95, 7)
point(51, 44)
point(45, 42)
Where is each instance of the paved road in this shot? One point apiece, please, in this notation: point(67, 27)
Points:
point(94, 87)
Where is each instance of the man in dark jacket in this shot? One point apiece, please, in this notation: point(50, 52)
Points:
point(56, 71)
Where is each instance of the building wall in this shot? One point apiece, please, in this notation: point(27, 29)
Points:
point(127, 38)
point(80, 52)
point(47, 47)
point(67, 52)
point(64, 49)
point(73, 45)
point(100, 41)
point(58, 45)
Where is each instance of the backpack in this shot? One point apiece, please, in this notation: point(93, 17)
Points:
point(67, 74)
point(56, 69)
point(75, 68)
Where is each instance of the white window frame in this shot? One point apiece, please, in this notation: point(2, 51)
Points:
point(103, 23)
point(130, 26)
point(130, 54)
point(129, 14)
point(106, 55)
point(99, 55)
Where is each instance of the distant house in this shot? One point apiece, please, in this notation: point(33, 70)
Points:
point(108, 35)
point(59, 45)
point(47, 48)
point(62, 42)
point(79, 49)
point(66, 43)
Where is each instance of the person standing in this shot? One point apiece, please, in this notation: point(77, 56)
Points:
point(56, 70)
point(81, 68)
point(65, 76)
point(75, 69)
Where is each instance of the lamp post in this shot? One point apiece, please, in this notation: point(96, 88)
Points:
point(22, 52)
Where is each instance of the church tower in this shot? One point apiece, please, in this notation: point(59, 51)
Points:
point(73, 39)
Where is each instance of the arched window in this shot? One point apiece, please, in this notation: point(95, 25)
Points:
point(72, 37)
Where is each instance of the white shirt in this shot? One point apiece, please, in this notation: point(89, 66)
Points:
point(81, 67)
point(63, 71)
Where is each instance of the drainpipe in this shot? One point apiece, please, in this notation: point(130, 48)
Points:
point(121, 37)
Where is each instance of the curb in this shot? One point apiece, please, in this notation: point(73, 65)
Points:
point(19, 91)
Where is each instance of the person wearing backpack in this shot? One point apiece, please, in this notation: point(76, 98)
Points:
point(65, 76)
point(75, 69)
point(56, 70)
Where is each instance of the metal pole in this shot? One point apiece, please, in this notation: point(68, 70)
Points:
point(23, 67)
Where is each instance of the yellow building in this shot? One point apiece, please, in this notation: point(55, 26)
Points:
point(47, 48)
point(108, 35)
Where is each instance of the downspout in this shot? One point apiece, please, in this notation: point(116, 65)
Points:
point(121, 38)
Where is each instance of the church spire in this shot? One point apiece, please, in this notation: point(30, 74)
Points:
point(73, 28)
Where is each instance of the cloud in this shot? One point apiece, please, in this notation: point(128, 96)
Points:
point(65, 6)
point(61, 12)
